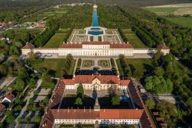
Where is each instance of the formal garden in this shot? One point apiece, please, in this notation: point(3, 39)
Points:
point(88, 63)
point(104, 63)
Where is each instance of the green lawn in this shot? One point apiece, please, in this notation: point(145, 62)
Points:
point(127, 31)
point(51, 64)
point(162, 9)
point(183, 21)
point(135, 41)
point(141, 64)
point(55, 41)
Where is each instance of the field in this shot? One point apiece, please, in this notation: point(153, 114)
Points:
point(183, 21)
point(176, 9)
point(55, 41)
point(133, 39)
point(51, 64)
point(140, 64)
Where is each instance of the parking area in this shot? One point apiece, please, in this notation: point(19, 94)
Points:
point(39, 98)
point(43, 91)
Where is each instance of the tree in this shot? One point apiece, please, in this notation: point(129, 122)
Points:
point(150, 103)
point(18, 108)
point(17, 100)
point(32, 82)
point(37, 119)
point(46, 100)
point(36, 92)
point(189, 103)
point(19, 86)
point(14, 50)
point(19, 119)
point(138, 74)
point(159, 71)
point(34, 108)
point(115, 100)
point(31, 101)
point(8, 113)
point(52, 85)
point(78, 101)
point(80, 91)
point(166, 109)
point(10, 119)
point(28, 118)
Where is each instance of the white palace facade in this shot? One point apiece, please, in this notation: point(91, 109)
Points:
point(94, 49)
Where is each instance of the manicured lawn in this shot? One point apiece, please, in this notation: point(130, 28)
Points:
point(183, 21)
point(162, 9)
point(140, 64)
point(104, 63)
point(51, 64)
point(55, 41)
point(127, 31)
point(135, 41)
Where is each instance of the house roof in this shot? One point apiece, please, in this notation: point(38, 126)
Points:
point(2, 107)
point(28, 46)
point(75, 113)
point(104, 79)
point(96, 43)
point(121, 46)
point(10, 96)
point(70, 46)
point(121, 113)
point(162, 46)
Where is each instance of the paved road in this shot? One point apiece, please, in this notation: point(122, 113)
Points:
point(27, 100)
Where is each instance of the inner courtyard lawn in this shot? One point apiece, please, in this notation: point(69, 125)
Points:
point(55, 65)
point(55, 41)
point(135, 41)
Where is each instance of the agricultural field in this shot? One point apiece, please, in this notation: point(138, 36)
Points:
point(133, 39)
point(183, 21)
point(55, 41)
point(175, 9)
point(55, 65)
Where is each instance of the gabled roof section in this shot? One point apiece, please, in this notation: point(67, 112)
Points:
point(162, 46)
point(96, 43)
point(2, 107)
point(121, 46)
point(70, 46)
point(121, 113)
point(28, 46)
point(10, 96)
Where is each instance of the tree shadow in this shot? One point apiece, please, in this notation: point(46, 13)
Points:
point(51, 72)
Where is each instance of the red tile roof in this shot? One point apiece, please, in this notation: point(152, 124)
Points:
point(104, 79)
point(121, 113)
point(75, 113)
point(28, 46)
point(121, 46)
point(70, 46)
point(96, 43)
point(10, 96)
point(2, 107)
point(162, 46)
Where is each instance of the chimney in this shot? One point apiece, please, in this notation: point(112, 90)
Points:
point(84, 109)
point(68, 109)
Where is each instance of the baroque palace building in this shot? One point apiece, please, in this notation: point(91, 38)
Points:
point(106, 42)
point(56, 115)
